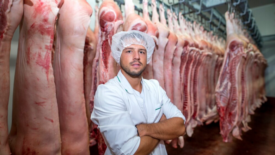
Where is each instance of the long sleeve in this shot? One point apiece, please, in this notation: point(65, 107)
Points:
point(169, 109)
point(114, 121)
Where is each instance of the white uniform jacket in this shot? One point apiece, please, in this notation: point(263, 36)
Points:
point(117, 110)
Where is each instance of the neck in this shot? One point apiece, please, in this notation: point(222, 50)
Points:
point(135, 82)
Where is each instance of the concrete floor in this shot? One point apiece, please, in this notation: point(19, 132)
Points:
point(206, 140)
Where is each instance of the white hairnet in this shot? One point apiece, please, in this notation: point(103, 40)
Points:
point(124, 39)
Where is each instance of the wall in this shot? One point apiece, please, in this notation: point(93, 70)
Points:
point(268, 51)
point(265, 19)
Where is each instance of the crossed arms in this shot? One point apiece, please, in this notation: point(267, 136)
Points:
point(151, 134)
point(114, 121)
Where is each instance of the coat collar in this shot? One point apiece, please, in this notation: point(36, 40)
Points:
point(124, 82)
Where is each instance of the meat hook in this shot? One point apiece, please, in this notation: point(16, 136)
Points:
point(245, 9)
point(249, 17)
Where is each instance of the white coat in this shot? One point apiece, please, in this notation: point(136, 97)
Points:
point(117, 111)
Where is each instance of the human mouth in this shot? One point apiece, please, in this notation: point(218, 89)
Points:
point(135, 65)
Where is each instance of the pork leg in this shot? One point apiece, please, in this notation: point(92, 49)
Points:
point(11, 12)
point(71, 32)
point(35, 122)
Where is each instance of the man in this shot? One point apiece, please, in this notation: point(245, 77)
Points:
point(128, 108)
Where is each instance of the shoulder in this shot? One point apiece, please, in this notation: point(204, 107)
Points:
point(110, 87)
point(152, 84)
point(109, 94)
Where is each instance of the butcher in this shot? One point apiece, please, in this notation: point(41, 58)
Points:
point(128, 109)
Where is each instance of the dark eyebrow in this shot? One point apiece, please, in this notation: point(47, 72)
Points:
point(130, 48)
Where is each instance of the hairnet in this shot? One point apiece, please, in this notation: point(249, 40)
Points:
point(124, 39)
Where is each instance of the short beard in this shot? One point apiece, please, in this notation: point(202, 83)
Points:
point(132, 74)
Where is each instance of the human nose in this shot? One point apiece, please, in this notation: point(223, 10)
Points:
point(136, 55)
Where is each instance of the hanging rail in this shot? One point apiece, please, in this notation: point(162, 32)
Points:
point(240, 7)
point(216, 21)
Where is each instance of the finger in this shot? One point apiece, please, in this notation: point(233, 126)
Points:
point(174, 143)
point(181, 141)
point(168, 141)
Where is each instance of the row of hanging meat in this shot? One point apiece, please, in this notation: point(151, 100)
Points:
point(207, 78)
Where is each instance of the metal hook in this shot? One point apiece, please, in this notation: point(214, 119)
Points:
point(211, 17)
point(219, 23)
point(176, 12)
point(249, 18)
point(183, 8)
point(257, 36)
point(163, 5)
point(237, 3)
point(252, 25)
point(245, 9)
point(171, 3)
point(171, 9)
point(180, 4)
point(254, 32)
point(214, 29)
point(199, 8)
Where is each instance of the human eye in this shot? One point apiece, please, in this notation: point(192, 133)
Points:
point(128, 51)
point(141, 52)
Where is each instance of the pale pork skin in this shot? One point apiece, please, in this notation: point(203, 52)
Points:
point(153, 31)
point(158, 55)
point(94, 80)
point(176, 61)
point(71, 31)
point(11, 13)
point(89, 54)
point(185, 62)
point(176, 64)
point(169, 45)
point(35, 122)
point(162, 57)
point(132, 20)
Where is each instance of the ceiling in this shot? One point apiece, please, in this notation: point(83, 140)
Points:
point(221, 8)
point(252, 4)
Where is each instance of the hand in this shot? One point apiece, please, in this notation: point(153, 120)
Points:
point(163, 117)
point(141, 129)
point(179, 140)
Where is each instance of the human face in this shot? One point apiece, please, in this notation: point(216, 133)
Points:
point(133, 60)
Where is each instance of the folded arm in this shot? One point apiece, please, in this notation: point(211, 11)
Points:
point(171, 128)
point(116, 126)
point(164, 130)
point(147, 145)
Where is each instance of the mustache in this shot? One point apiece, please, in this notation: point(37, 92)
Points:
point(135, 62)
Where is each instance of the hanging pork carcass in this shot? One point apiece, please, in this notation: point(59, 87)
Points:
point(240, 85)
point(11, 13)
point(35, 116)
